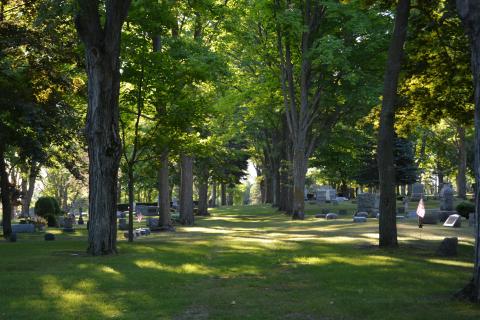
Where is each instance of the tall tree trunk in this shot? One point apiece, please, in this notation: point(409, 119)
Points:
point(203, 191)
point(5, 195)
point(469, 12)
point(276, 186)
point(440, 177)
point(203, 198)
point(131, 199)
point(263, 189)
point(268, 186)
point(386, 134)
point(230, 198)
point(186, 191)
point(223, 194)
point(164, 193)
point(299, 172)
point(102, 50)
point(462, 164)
point(214, 194)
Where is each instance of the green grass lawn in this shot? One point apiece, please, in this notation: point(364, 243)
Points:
point(240, 263)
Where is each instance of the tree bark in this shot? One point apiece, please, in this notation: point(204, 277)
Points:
point(102, 50)
point(203, 199)
point(214, 194)
point(386, 135)
point(186, 191)
point(202, 177)
point(299, 172)
point(469, 12)
point(164, 220)
point(268, 185)
point(223, 194)
point(440, 177)
point(276, 186)
point(5, 195)
point(462, 164)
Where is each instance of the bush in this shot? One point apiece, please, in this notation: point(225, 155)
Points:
point(464, 208)
point(52, 221)
point(48, 208)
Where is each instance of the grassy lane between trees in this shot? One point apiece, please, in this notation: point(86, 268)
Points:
point(240, 263)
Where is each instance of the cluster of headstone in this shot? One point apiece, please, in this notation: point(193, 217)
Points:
point(138, 233)
point(327, 214)
point(325, 194)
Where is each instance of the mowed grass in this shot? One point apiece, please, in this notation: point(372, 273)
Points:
point(241, 263)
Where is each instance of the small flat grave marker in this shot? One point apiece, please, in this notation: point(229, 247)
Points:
point(453, 221)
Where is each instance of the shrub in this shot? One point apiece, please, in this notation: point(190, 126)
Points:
point(464, 208)
point(48, 208)
point(45, 207)
point(52, 221)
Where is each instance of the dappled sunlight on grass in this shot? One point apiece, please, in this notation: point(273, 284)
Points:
point(335, 259)
point(70, 302)
point(453, 263)
point(242, 263)
point(110, 271)
point(192, 268)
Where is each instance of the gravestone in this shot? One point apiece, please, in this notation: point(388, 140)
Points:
point(149, 211)
point(453, 221)
point(68, 224)
point(23, 228)
point(122, 224)
point(331, 216)
point(367, 202)
point(431, 217)
point(361, 214)
point(321, 195)
point(446, 198)
point(152, 222)
point(417, 191)
point(331, 194)
point(448, 247)
point(359, 219)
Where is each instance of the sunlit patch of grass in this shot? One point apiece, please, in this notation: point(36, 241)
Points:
point(334, 259)
point(184, 268)
point(241, 263)
point(73, 301)
point(453, 263)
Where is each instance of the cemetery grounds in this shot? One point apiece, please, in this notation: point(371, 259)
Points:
point(247, 262)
